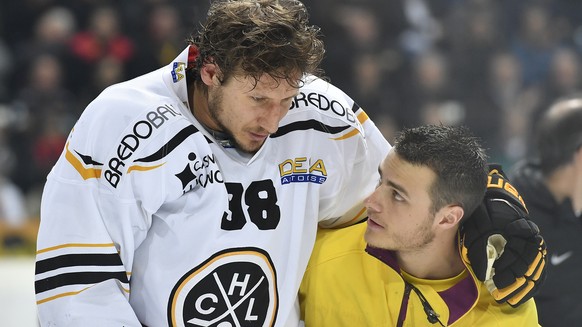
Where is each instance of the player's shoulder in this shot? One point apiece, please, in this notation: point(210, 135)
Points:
point(122, 100)
point(320, 100)
point(140, 106)
point(129, 118)
point(336, 243)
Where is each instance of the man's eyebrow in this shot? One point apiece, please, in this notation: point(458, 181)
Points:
point(398, 188)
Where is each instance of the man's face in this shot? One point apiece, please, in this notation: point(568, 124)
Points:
point(249, 114)
point(399, 210)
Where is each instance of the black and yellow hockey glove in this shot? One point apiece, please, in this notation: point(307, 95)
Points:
point(502, 245)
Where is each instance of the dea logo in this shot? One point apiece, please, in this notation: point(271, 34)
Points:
point(235, 287)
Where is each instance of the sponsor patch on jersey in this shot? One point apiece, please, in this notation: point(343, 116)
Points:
point(178, 71)
point(234, 287)
point(325, 103)
point(138, 134)
point(302, 170)
point(199, 172)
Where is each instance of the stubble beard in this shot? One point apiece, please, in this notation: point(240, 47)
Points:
point(216, 110)
point(419, 240)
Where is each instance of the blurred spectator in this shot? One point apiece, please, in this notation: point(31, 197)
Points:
point(564, 76)
point(350, 29)
point(423, 31)
point(52, 32)
point(551, 186)
point(516, 104)
point(430, 99)
point(101, 39)
point(107, 71)
point(474, 38)
point(372, 87)
point(534, 43)
point(6, 63)
point(12, 204)
point(16, 229)
point(50, 109)
point(16, 17)
point(162, 40)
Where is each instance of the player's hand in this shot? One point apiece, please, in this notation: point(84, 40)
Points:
point(503, 246)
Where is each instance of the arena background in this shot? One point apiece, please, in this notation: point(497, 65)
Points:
point(491, 65)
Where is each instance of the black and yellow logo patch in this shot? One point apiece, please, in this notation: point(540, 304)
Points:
point(235, 287)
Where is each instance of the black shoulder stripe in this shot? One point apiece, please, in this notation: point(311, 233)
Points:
point(355, 107)
point(78, 278)
point(87, 160)
point(171, 145)
point(70, 260)
point(309, 124)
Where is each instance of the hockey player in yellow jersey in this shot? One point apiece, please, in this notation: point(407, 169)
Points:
point(404, 266)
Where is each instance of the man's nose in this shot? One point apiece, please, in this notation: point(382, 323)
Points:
point(272, 117)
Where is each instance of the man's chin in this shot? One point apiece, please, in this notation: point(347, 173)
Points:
point(369, 237)
point(248, 147)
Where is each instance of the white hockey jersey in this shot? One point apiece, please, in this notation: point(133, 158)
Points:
point(147, 220)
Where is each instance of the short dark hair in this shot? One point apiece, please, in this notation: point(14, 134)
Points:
point(254, 37)
point(559, 133)
point(455, 156)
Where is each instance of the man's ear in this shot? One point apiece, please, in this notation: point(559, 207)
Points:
point(209, 73)
point(451, 216)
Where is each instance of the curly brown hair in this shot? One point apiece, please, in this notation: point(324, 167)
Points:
point(256, 37)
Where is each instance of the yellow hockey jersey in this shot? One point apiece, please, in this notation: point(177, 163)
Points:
point(348, 284)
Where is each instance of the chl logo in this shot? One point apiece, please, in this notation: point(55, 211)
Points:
point(235, 287)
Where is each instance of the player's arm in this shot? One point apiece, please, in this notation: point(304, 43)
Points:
point(88, 232)
point(82, 264)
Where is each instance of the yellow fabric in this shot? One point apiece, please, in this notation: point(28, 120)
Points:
point(438, 285)
point(345, 286)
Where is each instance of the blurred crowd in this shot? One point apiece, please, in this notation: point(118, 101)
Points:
point(491, 65)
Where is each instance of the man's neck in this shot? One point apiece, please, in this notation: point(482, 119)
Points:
point(198, 102)
point(438, 260)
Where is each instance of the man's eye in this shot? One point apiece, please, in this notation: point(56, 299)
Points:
point(258, 99)
point(397, 196)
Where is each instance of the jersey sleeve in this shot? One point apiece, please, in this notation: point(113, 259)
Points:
point(93, 217)
point(360, 151)
point(361, 176)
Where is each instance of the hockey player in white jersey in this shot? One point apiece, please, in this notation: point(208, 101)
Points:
point(191, 196)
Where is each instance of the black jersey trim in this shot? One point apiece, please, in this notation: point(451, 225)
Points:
point(78, 278)
point(87, 160)
point(85, 259)
point(171, 145)
point(308, 124)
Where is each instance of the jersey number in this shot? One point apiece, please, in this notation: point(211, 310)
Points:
point(261, 200)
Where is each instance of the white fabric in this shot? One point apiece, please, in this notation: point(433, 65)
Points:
point(141, 178)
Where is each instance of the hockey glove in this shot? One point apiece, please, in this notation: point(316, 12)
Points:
point(504, 247)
